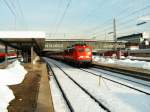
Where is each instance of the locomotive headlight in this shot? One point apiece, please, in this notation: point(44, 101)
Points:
point(80, 57)
point(89, 53)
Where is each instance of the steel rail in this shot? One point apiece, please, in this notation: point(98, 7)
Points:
point(137, 75)
point(62, 91)
point(116, 82)
point(82, 88)
point(121, 77)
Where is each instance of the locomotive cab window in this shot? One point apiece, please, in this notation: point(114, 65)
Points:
point(87, 49)
point(81, 50)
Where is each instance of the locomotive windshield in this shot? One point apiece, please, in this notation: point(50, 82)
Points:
point(81, 50)
point(87, 49)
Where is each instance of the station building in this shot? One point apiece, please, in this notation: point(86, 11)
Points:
point(136, 41)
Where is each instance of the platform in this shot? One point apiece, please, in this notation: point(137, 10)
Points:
point(33, 94)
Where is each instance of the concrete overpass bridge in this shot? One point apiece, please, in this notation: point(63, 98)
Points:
point(98, 45)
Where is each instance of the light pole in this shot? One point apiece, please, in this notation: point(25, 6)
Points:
point(146, 42)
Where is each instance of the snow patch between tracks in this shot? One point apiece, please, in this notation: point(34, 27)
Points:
point(125, 62)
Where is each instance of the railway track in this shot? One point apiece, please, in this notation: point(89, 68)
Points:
point(71, 108)
point(127, 78)
point(140, 59)
point(104, 77)
point(134, 74)
point(62, 91)
point(128, 73)
point(106, 91)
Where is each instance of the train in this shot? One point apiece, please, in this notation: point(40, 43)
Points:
point(9, 56)
point(125, 53)
point(77, 54)
point(2, 56)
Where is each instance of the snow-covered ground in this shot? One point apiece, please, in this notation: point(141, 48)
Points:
point(116, 97)
point(58, 102)
point(127, 80)
point(13, 74)
point(80, 101)
point(125, 62)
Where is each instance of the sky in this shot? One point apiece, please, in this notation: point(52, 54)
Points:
point(76, 18)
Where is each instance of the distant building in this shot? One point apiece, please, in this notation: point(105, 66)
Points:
point(136, 41)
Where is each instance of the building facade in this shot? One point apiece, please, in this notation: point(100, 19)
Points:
point(136, 41)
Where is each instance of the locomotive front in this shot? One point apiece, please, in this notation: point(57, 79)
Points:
point(83, 54)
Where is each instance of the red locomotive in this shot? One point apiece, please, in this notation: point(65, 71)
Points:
point(9, 56)
point(2, 56)
point(77, 54)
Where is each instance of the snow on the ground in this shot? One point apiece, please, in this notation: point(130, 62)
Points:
point(13, 74)
point(80, 101)
point(58, 102)
point(125, 62)
point(6, 95)
point(127, 80)
point(116, 97)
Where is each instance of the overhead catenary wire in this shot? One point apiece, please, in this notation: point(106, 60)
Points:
point(131, 14)
point(97, 26)
point(107, 21)
point(15, 8)
point(10, 8)
point(21, 13)
point(62, 17)
point(13, 5)
point(125, 24)
point(13, 11)
point(92, 11)
point(59, 5)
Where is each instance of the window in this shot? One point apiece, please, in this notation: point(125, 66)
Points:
point(81, 50)
point(87, 49)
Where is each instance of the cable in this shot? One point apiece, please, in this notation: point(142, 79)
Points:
point(108, 20)
point(133, 13)
point(126, 23)
point(137, 11)
point(22, 14)
point(92, 11)
point(62, 17)
point(57, 17)
point(13, 6)
point(104, 2)
point(9, 7)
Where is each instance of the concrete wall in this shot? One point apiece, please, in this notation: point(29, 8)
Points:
point(97, 45)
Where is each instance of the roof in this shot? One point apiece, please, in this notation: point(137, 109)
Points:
point(22, 34)
point(23, 39)
point(130, 36)
point(24, 43)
